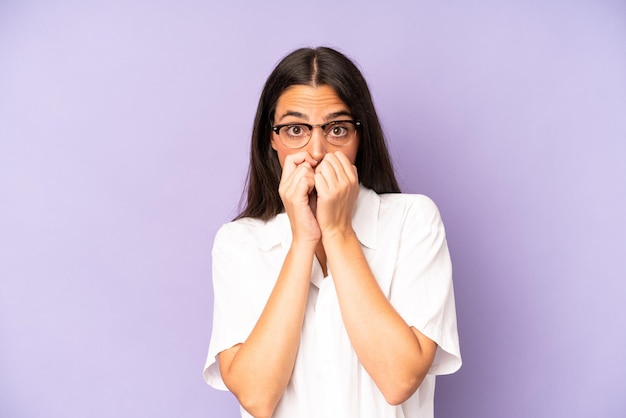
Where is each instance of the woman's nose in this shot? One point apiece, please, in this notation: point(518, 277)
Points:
point(317, 144)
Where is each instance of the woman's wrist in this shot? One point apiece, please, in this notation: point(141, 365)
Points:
point(303, 246)
point(338, 237)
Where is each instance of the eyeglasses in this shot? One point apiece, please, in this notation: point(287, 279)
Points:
point(338, 132)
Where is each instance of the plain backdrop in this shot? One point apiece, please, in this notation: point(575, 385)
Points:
point(124, 130)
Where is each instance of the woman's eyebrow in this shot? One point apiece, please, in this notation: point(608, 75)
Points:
point(335, 115)
point(293, 113)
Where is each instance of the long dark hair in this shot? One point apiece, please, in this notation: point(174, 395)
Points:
point(316, 67)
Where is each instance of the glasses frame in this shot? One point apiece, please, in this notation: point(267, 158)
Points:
point(276, 128)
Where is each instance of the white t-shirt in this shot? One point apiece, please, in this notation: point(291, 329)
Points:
point(404, 243)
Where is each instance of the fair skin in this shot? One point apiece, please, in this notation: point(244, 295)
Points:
point(319, 188)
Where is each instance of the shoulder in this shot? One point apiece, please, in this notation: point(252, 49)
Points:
point(419, 201)
point(252, 232)
point(418, 207)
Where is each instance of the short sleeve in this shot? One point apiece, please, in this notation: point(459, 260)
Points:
point(421, 289)
point(233, 314)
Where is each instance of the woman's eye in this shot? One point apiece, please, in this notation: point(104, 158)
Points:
point(338, 131)
point(295, 130)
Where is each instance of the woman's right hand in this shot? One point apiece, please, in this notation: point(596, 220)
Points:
point(296, 189)
point(258, 370)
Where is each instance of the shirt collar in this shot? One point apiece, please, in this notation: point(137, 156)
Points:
point(365, 217)
point(276, 231)
point(364, 222)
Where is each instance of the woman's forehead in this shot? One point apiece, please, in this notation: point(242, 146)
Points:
point(307, 101)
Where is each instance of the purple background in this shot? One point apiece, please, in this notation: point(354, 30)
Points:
point(124, 131)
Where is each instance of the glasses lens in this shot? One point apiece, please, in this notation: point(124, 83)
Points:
point(295, 136)
point(340, 133)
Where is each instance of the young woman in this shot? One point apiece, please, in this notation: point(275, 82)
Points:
point(333, 291)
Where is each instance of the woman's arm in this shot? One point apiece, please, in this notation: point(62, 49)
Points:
point(258, 370)
point(396, 356)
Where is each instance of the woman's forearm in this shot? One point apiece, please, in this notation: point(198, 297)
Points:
point(258, 371)
point(395, 355)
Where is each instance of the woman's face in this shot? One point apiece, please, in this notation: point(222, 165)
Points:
point(314, 106)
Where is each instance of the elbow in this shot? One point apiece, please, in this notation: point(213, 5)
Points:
point(397, 397)
point(402, 390)
point(258, 400)
point(258, 406)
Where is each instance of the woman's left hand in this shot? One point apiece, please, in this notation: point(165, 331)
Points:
point(337, 186)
